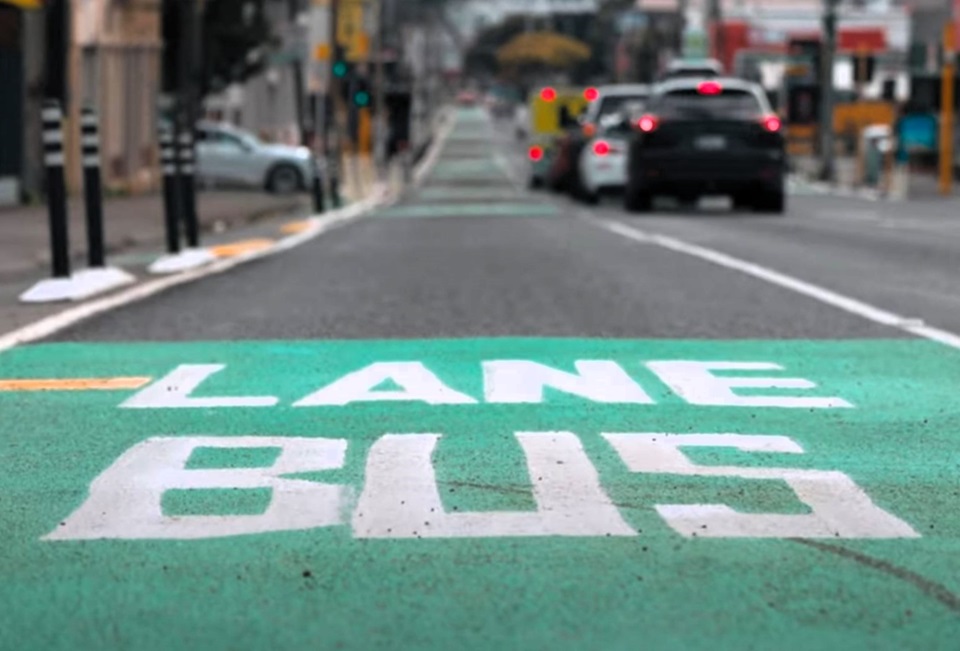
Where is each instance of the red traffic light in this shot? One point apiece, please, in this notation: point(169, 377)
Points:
point(591, 94)
point(535, 153)
point(548, 94)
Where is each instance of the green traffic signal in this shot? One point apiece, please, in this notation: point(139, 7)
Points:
point(361, 98)
point(340, 69)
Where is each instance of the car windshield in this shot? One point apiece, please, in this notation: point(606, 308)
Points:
point(691, 104)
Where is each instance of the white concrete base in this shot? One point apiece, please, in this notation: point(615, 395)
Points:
point(80, 286)
point(183, 261)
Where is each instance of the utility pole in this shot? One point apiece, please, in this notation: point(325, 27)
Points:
point(379, 102)
point(331, 151)
point(828, 52)
point(947, 102)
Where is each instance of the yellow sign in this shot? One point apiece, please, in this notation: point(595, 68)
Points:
point(321, 52)
point(24, 4)
point(351, 32)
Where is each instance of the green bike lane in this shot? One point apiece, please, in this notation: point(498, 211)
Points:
point(481, 492)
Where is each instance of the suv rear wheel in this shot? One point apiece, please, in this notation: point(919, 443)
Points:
point(773, 203)
point(637, 201)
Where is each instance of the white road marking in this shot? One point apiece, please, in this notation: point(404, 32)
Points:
point(859, 308)
point(318, 226)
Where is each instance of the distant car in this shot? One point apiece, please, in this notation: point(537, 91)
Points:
point(702, 137)
point(230, 156)
point(605, 107)
point(467, 98)
point(602, 164)
point(692, 68)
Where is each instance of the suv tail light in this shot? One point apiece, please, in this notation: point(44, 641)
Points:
point(535, 153)
point(648, 123)
point(601, 148)
point(709, 88)
point(772, 123)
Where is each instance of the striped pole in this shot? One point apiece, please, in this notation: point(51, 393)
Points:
point(53, 159)
point(188, 188)
point(93, 187)
point(171, 194)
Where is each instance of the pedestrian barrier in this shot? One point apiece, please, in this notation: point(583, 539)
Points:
point(98, 277)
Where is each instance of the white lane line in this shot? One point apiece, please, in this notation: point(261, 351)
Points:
point(913, 326)
point(319, 225)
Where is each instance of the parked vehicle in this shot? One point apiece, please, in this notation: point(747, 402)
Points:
point(702, 137)
point(230, 156)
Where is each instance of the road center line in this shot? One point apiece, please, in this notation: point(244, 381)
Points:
point(872, 313)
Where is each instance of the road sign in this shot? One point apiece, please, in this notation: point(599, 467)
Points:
point(473, 493)
point(351, 29)
point(318, 70)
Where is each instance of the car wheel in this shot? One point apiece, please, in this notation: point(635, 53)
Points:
point(772, 203)
point(284, 179)
point(637, 201)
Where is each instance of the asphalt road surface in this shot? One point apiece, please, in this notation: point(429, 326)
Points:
point(488, 418)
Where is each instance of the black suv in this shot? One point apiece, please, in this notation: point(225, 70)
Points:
point(707, 136)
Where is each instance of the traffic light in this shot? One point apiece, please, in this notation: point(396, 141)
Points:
point(341, 69)
point(360, 92)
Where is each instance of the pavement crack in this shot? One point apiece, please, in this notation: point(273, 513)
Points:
point(930, 588)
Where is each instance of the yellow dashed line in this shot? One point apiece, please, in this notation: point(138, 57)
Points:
point(239, 248)
point(75, 384)
point(293, 228)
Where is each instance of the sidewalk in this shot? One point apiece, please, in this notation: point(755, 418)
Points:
point(129, 222)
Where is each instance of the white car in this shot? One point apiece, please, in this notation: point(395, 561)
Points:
point(230, 156)
point(610, 101)
point(603, 160)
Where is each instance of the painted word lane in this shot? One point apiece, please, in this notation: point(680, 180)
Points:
point(479, 493)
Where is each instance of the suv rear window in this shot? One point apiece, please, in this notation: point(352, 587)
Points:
point(690, 104)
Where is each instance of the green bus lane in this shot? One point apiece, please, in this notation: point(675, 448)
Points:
point(478, 494)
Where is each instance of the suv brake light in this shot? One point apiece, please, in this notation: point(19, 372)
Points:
point(601, 148)
point(709, 88)
point(772, 123)
point(648, 123)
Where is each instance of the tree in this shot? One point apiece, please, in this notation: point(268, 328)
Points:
point(235, 36)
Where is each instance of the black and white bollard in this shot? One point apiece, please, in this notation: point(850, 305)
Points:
point(171, 194)
point(54, 161)
point(179, 192)
point(188, 188)
point(60, 286)
point(92, 188)
point(98, 278)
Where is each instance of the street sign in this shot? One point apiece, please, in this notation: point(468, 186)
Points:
point(318, 69)
point(351, 29)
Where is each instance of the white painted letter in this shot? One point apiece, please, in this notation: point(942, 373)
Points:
point(416, 381)
point(126, 499)
point(524, 382)
point(695, 383)
point(839, 508)
point(173, 392)
point(401, 500)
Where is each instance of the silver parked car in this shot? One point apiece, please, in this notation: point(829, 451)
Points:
point(227, 155)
